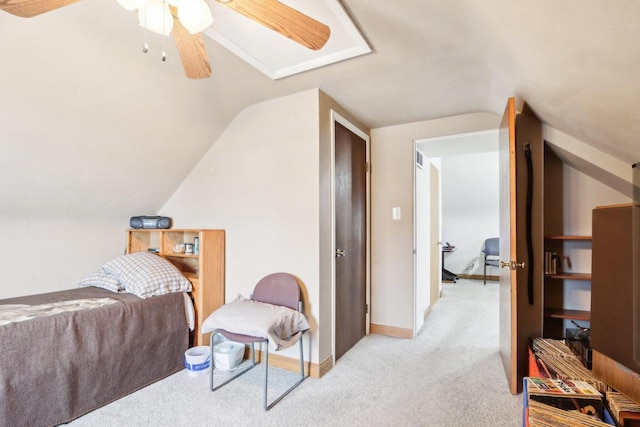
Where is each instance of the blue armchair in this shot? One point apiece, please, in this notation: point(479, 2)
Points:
point(491, 254)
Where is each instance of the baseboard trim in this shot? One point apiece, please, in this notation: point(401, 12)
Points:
point(391, 331)
point(324, 367)
point(478, 277)
point(313, 370)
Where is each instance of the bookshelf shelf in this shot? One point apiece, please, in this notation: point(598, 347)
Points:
point(569, 276)
point(568, 238)
point(563, 313)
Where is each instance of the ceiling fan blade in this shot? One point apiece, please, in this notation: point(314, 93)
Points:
point(285, 20)
point(30, 8)
point(191, 49)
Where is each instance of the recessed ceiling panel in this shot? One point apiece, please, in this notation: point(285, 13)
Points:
point(276, 55)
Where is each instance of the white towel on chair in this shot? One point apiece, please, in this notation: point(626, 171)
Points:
point(282, 326)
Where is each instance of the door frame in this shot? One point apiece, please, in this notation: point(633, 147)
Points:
point(455, 145)
point(434, 288)
point(336, 117)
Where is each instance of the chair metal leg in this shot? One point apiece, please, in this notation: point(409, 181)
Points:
point(267, 405)
point(301, 360)
point(297, 383)
point(485, 272)
point(266, 375)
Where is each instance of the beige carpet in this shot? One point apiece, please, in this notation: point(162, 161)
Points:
point(450, 375)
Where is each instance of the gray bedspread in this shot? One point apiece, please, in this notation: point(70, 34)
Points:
point(56, 368)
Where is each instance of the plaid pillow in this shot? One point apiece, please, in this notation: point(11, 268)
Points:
point(145, 274)
point(101, 280)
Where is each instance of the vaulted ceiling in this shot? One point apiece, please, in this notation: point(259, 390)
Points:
point(80, 103)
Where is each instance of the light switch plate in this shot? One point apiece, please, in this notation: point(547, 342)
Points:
point(396, 213)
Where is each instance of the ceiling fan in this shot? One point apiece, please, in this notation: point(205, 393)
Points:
point(271, 13)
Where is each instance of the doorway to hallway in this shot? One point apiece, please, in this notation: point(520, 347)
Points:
point(467, 168)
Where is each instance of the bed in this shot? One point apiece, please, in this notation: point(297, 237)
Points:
point(57, 367)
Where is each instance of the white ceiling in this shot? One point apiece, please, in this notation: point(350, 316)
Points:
point(462, 144)
point(277, 56)
point(78, 98)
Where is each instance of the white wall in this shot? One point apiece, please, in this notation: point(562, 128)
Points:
point(260, 183)
point(42, 255)
point(470, 208)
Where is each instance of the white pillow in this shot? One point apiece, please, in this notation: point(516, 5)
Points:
point(281, 325)
point(145, 274)
point(101, 280)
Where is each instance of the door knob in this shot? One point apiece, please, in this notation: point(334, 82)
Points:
point(340, 253)
point(512, 264)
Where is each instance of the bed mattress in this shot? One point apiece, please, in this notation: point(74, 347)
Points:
point(56, 368)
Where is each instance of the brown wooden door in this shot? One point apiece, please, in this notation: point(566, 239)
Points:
point(508, 277)
point(351, 234)
point(521, 239)
point(635, 216)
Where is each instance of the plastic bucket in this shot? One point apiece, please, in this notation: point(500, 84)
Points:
point(197, 360)
point(228, 355)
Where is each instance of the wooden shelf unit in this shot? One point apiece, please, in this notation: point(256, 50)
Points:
point(564, 283)
point(205, 270)
point(612, 298)
point(554, 288)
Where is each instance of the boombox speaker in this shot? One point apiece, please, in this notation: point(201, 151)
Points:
point(150, 222)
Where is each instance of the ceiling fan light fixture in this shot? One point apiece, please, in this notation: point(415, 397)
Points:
point(155, 16)
point(131, 4)
point(195, 15)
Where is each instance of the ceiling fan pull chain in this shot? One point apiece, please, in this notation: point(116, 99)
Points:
point(164, 11)
point(145, 46)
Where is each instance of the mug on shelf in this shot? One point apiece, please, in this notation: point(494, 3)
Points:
point(179, 248)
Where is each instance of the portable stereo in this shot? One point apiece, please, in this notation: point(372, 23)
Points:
point(147, 221)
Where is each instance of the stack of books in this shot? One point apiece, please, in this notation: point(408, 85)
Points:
point(625, 411)
point(554, 359)
point(541, 415)
point(552, 262)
